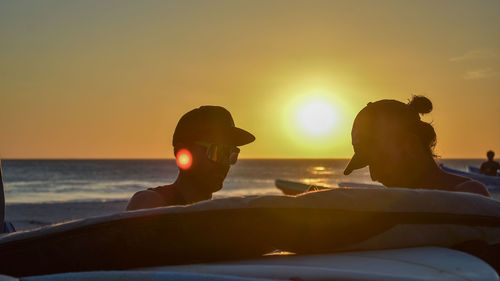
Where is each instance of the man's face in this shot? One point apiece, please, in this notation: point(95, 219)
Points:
point(208, 173)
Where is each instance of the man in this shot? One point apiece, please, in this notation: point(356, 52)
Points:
point(205, 145)
point(490, 167)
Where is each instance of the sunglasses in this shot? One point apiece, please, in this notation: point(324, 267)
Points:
point(221, 153)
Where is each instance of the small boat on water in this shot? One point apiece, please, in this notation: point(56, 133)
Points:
point(359, 185)
point(295, 188)
point(492, 182)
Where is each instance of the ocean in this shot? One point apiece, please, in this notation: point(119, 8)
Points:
point(45, 181)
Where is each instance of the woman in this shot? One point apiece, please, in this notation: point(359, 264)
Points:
point(389, 137)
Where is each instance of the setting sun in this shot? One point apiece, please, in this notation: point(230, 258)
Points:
point(317, 117)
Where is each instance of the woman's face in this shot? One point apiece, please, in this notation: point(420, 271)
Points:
point(386, 164)
point(389, 159)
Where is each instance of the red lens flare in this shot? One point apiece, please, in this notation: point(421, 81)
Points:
point(184, 159)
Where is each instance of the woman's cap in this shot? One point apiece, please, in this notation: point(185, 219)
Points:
point(356, 162)
point(210, 124)
point(379, 116)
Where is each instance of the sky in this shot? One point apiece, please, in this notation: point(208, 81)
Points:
point(110, 79)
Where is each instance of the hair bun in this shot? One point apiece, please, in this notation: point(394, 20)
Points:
point(420, 104)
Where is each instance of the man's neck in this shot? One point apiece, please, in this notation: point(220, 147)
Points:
point(190, 189)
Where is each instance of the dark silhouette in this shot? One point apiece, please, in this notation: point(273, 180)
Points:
point(389, 137)
point(205, 145)
point(490, 167)
point(5, 226)
point(2, 202)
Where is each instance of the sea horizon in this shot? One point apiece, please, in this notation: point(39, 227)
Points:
point(243, 158)
point(84, 180)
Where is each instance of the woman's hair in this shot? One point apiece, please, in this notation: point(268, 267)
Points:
point(423, 130)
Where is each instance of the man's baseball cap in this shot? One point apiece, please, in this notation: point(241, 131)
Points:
point(210, 124)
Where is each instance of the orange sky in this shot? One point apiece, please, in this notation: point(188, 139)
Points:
point(110, 79)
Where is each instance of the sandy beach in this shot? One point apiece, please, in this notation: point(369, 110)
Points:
point(29, 215)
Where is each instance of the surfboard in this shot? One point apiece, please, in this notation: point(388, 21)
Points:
point(424, 263)
point(336, 220)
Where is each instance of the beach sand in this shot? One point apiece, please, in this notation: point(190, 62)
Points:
point(28, 216)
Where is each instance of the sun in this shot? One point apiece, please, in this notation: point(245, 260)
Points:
point(317, 117)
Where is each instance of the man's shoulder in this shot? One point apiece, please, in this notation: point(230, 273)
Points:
point(145, 199)
point(148, 193)
point(488, 164)
point(473, 186)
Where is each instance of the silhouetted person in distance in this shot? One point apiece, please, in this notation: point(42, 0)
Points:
point(490, 167)
point(389, 137)
point(205, 145)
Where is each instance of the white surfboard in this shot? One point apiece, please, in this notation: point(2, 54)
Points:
point(425, 263)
